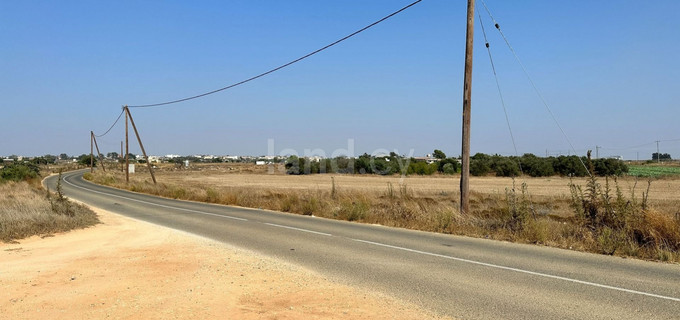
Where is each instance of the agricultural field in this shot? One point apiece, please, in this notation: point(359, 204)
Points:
point(653, 171)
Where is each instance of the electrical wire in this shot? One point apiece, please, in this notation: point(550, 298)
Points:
point(114, 124)
point(631, 147)
point(545, 103)
point(279, 67)
point(640, 145)
point(500, 94)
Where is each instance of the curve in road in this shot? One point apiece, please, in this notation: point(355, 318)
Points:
point(457, 276)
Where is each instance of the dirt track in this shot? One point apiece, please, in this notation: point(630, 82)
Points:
point(134, 270)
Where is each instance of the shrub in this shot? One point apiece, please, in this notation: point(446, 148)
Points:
point(518, 207)
point(19, 172)
point(448, 166)
point(480, 164)
point(84, 159)
point(505, 167)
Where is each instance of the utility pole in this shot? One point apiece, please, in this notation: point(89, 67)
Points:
point(99, 154)
point(120, 157)
point(597, 152)
point(658, 155)
point(91, 151)
point(467, 95)
point(127, 148)
point(141, 146)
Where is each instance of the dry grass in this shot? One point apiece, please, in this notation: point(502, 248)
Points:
point(25, 211)
point(540, 215)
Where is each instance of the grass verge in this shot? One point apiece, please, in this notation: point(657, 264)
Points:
point(26, 210)
point(510, 216)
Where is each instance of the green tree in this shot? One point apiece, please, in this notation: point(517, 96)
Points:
point(84, 159)
point(19, 172)
point(448, 166)
point(439, 154)
point(661, 156)
point(480, 164)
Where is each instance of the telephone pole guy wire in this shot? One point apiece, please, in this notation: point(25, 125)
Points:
point(545, 103)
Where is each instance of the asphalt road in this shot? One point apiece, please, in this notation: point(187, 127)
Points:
point(462, 277)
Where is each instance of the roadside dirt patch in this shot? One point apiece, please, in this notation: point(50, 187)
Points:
point(126, 269)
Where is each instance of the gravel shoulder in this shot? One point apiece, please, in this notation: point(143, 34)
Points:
point(124, 268)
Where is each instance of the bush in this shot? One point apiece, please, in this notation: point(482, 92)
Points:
point(448, 166)
point(422, 168)
point(480, 164)
point(537, 167)
point(19, 172)
point(609, 167)
point(570, 166)
point(505, 167)
point(84, 159)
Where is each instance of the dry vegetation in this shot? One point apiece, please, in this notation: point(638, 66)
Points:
point(26, 209)
point(531, 210)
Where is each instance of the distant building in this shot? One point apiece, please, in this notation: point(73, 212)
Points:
point(429, 159)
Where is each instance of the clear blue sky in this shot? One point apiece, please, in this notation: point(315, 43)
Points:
point(608, 69)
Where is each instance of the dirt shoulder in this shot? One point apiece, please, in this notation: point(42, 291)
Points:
point(129, 269)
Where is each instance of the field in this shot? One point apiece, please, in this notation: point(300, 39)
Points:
point(530, 210)
point(653, 171)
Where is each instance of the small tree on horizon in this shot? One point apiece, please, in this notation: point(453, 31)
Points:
point(439, 154)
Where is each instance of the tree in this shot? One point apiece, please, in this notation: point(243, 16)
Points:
point(63, 156)
point(480, 164)
point(439, 154)
point(660, 157)
point(84, 159)
point(448, 166)
point(295, 165)
point(112, 155)
point(19, 172)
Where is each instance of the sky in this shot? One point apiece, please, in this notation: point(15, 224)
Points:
point(608, 71)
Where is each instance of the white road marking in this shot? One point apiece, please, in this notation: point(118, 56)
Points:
point(298, 229)
point(521, 271)
point(155, 204)
point(545, 275)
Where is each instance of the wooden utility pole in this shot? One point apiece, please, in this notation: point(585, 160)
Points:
point(141, 146)
point(99, 154)
point(91, 151)
point(467, 95)
point(127, 148)
point(120, 157)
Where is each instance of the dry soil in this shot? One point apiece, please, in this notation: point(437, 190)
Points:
point(127, 269)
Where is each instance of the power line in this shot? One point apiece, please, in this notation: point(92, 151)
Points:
point(279, 67)
point(500, 93)
point(631, 147)
point(114, 123)
point(545, 103)
point(640, 145)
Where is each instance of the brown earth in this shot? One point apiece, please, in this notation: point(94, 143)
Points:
point(127, 269)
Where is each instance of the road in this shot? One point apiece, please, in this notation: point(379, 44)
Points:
point(457, 276)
